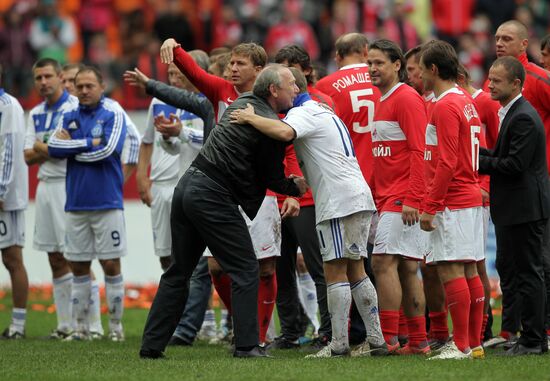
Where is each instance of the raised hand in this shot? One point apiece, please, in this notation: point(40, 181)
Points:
point(167, 50)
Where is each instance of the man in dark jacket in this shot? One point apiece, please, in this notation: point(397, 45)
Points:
point(520, 200)
point(234, 168)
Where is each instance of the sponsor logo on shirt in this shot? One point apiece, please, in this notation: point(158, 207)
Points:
point(381, 151)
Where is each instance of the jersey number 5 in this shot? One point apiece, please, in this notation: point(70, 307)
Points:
point(357, 103)
point(474, 133)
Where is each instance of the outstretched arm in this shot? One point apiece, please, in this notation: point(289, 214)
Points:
point(275, 129)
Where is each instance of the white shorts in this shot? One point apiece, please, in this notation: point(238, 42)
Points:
point(49, 224)
point(12, 229)
point(458, 236)
point(373, 227)
point(345, 237)
point(394, 237)
point(265, 229)
point(95, 234)
point(160, 218)
point(486, 218)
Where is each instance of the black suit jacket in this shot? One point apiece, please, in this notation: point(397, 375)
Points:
point(520, 188)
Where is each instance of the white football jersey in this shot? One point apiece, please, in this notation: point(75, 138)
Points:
point(14, 178)
point(130, 151)
point(327, 158)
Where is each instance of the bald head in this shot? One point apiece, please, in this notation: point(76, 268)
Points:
point(511, 39)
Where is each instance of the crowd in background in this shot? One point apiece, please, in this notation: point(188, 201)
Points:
point(116, 35)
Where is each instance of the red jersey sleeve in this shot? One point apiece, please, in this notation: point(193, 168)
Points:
point(211, 86)
point(447, 121)
point(412, 120)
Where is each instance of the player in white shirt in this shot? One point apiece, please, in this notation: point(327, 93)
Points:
point(49, 230)
point(14, 198)
point(344, 208)
point(169, 159)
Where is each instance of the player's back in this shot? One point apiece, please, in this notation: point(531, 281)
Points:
point(355, 97)
point(487, 109)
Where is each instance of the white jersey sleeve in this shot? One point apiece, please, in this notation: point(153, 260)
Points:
point(301, 122)
point(130, 152)
point(30, 133)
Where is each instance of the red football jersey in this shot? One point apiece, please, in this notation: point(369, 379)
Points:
point(355, 97)
point(453, 133)
point(220, 92)
point(487, 110)
point(398, 137)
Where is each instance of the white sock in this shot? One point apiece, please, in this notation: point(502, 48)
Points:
point(308, 297)
point(63, 303)
point(271, 330)
point(18, 317)
point(94, 310)
point(339, 303)
point(366, 300)
point(80, 295)
point(114, 292)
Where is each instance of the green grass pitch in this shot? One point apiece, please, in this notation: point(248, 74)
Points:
point(37, 359)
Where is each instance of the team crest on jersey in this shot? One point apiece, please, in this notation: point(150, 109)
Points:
point(97, 131)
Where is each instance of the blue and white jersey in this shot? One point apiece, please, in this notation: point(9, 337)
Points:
point(94, 173)
point(130, 153)
point(171, 158)
point(41, 124)
point(14, 177)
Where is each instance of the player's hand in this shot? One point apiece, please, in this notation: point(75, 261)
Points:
point(300, 183)
point(290, 208)
point(426, 222)
point(168, 127)
point(167, 51)
point(63, 134)
point(242, 115)
point(144, 189)
point(135, 78)
point(410, 215)
point(485, 197)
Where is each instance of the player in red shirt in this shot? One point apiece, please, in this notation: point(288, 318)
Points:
point(398, 136)
point(355, 96)
point(511, 39)
point(452, 210)
point(247, 60)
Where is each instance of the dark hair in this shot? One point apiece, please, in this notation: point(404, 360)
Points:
point(545, 42)
point(295, 54)
point(414, 52)
point(513, 67)
point(43, 62)
point(351, 43)
point(91, 69)
point(442, 55)
point(255, 52)
point(464, 72)
point(394, 53)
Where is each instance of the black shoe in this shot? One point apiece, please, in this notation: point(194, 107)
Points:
point(282, 343)
point(317, 344)
point(257, 351)
point(10, 334)
point(178, 341)
point(510, 343)
point(522, 350)
point(151, 354)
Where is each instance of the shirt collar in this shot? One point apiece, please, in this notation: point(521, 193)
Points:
point(301, 99)
point(391, 91)
point(2, 92)
point(64, 96)
point(504, 110)
point(476, 93)
point(353, 66)
point(452, 90)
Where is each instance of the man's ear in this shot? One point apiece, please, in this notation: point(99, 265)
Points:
point(273, 90)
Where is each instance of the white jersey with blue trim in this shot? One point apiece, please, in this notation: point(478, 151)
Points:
point(41, 124)
point(130, 152)
point(327, 158)
point(14, 178)
point(172, 157)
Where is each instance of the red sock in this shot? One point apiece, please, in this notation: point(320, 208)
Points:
point(548, 332)
point(458, 304)
point(439, 329)
point(505, 334)
point(483, 326)
point(417, 330)
point(267, 292)
point(222, 284)
point(389, 321)
point(477, 303)
point(403, 328)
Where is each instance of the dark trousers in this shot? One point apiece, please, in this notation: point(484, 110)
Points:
point(546, 269)
point(205, 214)
point(519, 261)
point(197, 303)
point(300, 231)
